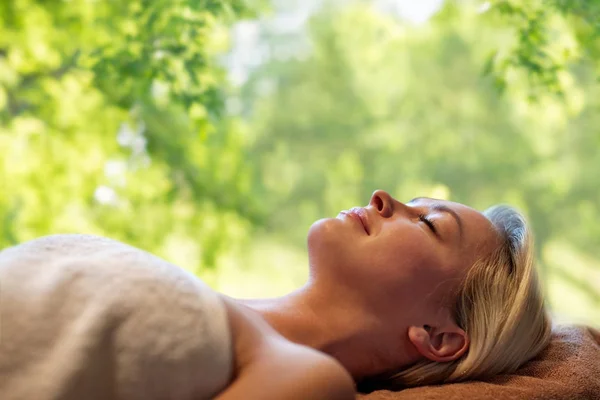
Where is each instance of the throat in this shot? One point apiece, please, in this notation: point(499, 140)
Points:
point(346, 334)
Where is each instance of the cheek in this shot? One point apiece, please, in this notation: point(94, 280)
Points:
point(404, 267)
point(403, 253)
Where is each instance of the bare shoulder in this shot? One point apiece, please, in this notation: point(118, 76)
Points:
point(270, 366)
point(316, 374)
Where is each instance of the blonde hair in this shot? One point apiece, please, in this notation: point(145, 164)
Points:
point(500, 305)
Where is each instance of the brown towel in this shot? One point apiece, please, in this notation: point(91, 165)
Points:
point(569, 369)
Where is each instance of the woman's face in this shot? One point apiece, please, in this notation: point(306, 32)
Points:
point(395, 256)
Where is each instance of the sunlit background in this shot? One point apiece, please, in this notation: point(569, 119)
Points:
point(214, 133)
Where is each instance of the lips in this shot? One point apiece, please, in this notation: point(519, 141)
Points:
point(360, 215)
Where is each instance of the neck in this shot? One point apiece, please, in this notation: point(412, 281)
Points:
point(345, 332)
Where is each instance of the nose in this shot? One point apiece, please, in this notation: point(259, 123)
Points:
point(383, 202)
point(386, 205)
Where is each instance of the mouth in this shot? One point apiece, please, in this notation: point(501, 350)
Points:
point(360, 215)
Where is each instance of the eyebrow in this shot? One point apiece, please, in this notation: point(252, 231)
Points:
point(443, 208)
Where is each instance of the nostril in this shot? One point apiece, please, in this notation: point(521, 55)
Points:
point(378, 203)
point(383, 203)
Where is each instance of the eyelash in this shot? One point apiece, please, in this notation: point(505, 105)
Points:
point(430, 224)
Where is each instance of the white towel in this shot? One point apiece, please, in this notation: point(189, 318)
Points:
point(83, 317)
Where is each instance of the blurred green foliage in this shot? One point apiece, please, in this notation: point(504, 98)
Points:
point(110, 123)
point(117, 118)
point(551, 36)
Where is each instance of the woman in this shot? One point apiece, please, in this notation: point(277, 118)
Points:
point(403, 294)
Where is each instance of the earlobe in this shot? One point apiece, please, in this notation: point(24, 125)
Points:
point(439, 344)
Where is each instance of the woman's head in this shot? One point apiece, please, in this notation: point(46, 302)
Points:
point(451, 288)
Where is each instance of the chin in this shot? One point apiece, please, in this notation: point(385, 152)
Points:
point(326, 240)
point(323, 229)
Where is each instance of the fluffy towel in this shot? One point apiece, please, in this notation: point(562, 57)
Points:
point(87, 318)
point(569, 369)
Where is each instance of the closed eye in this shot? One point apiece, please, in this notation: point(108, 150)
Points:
point(430, 224)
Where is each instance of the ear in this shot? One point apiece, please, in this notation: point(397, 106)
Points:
point(441, 344)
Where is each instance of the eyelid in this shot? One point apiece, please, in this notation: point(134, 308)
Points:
point(430, 223)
